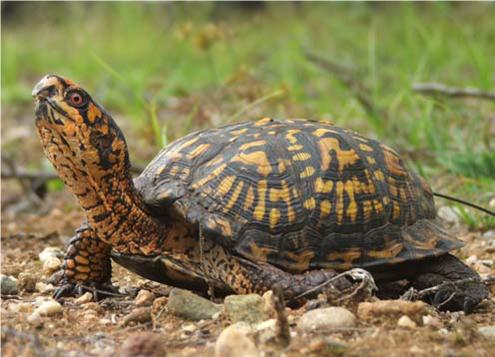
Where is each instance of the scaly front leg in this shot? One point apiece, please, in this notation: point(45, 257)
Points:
point(86, 267)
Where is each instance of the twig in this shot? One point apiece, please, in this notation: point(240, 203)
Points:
point(349, 79)
point(413, 294)
point(432, 88)
point(282, 330)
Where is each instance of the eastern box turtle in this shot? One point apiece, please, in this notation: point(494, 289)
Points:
point(246, 206)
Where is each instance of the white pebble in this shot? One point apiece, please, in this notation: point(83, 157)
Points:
point(48, 252)
point(406, 322)
point(326, 318)
point(44, 288)
point(34, 319)
point(48, 308)
point(51, 264)
point(84, 298)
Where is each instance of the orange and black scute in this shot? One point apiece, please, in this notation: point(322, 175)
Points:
point(299, 195)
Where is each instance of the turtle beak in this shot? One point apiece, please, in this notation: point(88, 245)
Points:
point(45, 88)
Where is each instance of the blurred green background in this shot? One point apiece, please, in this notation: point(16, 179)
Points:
point(166, 69)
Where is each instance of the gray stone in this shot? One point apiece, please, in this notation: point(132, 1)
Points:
point(487, 331)
point(8, 285)
point(247, 308)
point(326, 318)
point(185, 304)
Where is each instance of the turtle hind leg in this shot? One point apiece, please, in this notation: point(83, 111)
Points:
point(459, 287)
point(253, 277)
point(86, 266)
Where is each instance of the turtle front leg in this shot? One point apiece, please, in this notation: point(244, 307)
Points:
point(86, 266)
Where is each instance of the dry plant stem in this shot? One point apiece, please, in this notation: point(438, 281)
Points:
point(282, 330)
point(432, 88)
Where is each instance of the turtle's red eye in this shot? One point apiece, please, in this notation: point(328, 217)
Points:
point(76, 98)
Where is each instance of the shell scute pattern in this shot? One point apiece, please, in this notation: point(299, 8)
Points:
point(297, 194)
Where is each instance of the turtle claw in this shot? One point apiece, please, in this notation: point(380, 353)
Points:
point(99, 290)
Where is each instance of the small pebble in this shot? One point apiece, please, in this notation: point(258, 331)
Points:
point(406, 322)
point(326, 318)
point(8, 285)
point(234, 341)
point(21, 307)
point(51, 264)
point(139, 315)
point(27, 282)
point(44, 288)
point(49, 308)
point(144, 298)
point(248, 308)
point(429, 320)
point(487, 331)
point(34, 319)
point(50, 252)
point(84, 298)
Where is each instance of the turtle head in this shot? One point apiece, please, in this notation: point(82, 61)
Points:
point(78, 136)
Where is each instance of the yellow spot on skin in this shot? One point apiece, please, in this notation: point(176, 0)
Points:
point(225, 185)
point(371, 160)
point(93, 113)
point(393, 162)
point(291, 215)
point(395, 210)
point(259, 253)
point(263, 121)
point(211, 176)
point(325, 208)
point(235, 196)
point(365, 147)
point(259, 211)
point(348, 257)
point(290, 136)
point(301, 260)
point(301, 156)
point(340, 201)
point(308, 171)
point(252, 144)
point(344, 157)
point(274, 218)
point(379, 175)
point(258, 158)
point(295, 147)
point(322, 131)
point(239, 131)
point(318, 187)
point(248, 202)
point(281, 166)
point(352, 207)
point(388, 252)
point(310, 203)
point(198, 150)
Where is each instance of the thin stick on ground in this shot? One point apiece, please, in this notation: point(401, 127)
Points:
point(440, 89)
point(282, 330)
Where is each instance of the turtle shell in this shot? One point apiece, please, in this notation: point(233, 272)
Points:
point(297, 194)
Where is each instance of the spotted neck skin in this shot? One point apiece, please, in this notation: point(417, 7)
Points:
point(90, 155)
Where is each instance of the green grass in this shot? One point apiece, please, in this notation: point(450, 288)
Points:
point(135, 56)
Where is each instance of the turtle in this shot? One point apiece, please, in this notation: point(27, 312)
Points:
point(245, 207)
